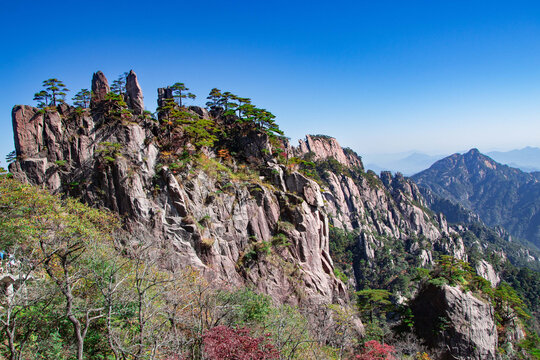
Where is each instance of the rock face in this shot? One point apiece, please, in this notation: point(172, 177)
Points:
point(388, 214)
point(458, 323)
point(100, 88)
point(485, 270)
point(217, 224)
point(44, 141)
point(134, 94)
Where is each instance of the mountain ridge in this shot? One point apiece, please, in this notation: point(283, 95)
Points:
point(500, 194)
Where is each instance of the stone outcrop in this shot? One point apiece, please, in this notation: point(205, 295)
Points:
point(47, 143)
point(324, 147)
point(459, 324)
point(134, 95)
point(100, 88)
point(163, 94)
point(485, 270)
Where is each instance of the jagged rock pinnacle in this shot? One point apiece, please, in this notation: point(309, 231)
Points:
point(100, 87)
point(134, 94)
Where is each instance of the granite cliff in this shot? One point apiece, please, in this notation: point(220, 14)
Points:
point(246, 208)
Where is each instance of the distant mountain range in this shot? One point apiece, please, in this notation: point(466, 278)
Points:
point(526, 159)
point(406, 164)
point(499, 194)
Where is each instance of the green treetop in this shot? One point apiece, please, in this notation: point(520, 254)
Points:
point(82, 98)
point(214, 98)
point(119, 86)
point(373, 302)
point(54, 93)
point(180, 91)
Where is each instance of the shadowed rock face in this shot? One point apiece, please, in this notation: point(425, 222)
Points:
point(100, 88)
point(134, 94)
point(456, 322)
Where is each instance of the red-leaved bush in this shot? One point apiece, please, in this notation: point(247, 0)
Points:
point(225, 343)
point(373, 350)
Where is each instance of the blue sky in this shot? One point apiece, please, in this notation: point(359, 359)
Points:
point(380, 76)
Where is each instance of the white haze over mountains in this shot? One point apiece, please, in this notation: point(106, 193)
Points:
point(412, 162)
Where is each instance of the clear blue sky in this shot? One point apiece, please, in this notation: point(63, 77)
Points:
point(380, 76)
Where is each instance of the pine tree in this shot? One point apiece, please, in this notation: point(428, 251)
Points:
point(215, 98)
point(54, 92)
point(180, 92)
point(119, 86)
point(42, 98)
point(82, 98)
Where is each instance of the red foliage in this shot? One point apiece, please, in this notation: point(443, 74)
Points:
point(373, 350)
point(225, 343)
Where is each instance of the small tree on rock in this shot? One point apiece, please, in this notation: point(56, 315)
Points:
point(82, 98)
point(119, 85)
point(180, 91)
point(54, 93)
point(215, 98)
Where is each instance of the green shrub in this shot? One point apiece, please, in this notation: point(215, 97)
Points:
point(280, 240)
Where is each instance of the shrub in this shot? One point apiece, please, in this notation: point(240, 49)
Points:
point(280, 240)
point(373, 350)
point(223, 343)
point(207, 243)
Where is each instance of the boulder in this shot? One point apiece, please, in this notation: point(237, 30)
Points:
point(460, 325)
point(327, 147)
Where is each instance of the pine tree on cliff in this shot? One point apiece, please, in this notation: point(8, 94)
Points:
point(82, 98)
point(180, 92)
point(215, 98)
point(55, 91)
point(119, 85)
point(42, 98)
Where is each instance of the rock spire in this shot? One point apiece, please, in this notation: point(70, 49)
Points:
point(134, 95)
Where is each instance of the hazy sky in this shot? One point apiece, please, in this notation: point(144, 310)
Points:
point(380, 76)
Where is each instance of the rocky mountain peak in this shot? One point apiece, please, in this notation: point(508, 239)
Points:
point(322, 147)
point(500, 194)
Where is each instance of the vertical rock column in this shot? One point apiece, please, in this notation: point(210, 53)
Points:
point(134, 94)
point(100, 88)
